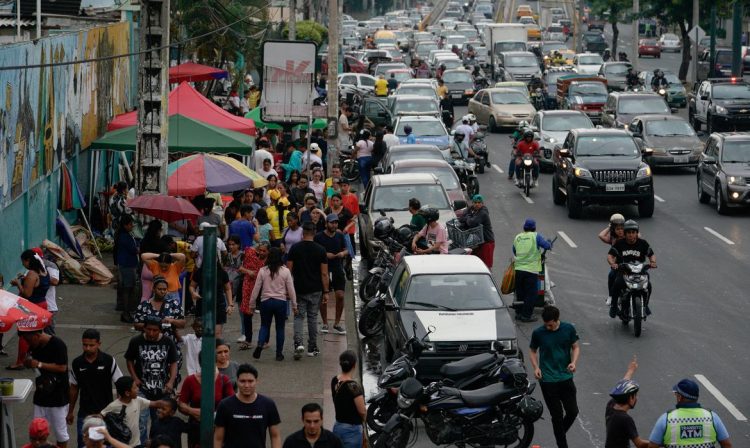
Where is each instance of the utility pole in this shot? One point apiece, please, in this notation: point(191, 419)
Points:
point(694, 48)
point(334, 25)
point(38, 19)
point(737, 39)
point(292, 19)
point(634, 53)
point(576, 24)
point(151, 155)
point(712, 51)
point(208, 341)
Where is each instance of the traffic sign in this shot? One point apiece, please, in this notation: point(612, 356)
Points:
point(696, 30)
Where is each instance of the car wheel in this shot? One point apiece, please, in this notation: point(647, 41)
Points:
point(646, 207)
point(703, 197)
point(575, 206)
point(709, 124)
point(721, 204)
point(493, 125)
point(558, 198)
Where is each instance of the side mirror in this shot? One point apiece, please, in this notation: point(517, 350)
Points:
point(708, 160)
point(459, 204)
point(377, 170)
point(704, 97)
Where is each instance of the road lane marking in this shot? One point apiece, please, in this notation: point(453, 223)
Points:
point(659, 198)
point(498, 169)
point(567, 239)
point(528, 199)
point(719, 235)
point(722, 399)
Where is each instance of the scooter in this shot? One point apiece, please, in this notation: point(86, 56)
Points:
point(634, 298)
point(545, 296)
point(465, 171)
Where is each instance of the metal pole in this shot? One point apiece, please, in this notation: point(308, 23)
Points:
point(18, 19)
point(712, 52)
point(334, 25)
point(208, 341)
point(737, 39)
point(292, 19)
point(577, 11)
point(696, 22)
point(634, 53)
point(38, 19)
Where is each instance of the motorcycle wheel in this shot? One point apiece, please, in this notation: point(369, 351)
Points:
point(524, 441)
point(380, 412)
point(369, 287)
point(350, 170)
point(527, 184)
point(398, 438)
point(637, 317)
point(480, 165)
point(371, 321)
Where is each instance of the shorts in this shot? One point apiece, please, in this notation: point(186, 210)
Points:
point(338, 279)
point(56, 419)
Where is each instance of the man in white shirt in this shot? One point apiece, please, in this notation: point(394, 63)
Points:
point(197, 247)
point(390, 138)
point(312, 156)
point(466, 128)
point(261, 154)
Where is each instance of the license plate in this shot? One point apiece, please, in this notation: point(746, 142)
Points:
point(593, 112)
point(681, 159)
point(615, 187)
point(456, 96)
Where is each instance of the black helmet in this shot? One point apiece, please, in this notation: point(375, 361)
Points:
point(404, 234)
point(528, 133)
point(631, 225)
point(459, 135)
point(430, 214)
point(530, 409)
point(383, 227)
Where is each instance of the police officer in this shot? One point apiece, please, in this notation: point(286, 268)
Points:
point(689, 425)
point(528, 265)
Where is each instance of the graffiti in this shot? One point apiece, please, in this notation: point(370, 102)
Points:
point(49, 114)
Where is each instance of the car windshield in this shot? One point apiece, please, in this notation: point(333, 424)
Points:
point(521, 61)
point(736, 152)
point(415, 105)
point(445, 174)
point(396, 197)
point(452, 292)
point(643, 104)
point(648, 43)
point(593, 59)
point(509, 98)
point(727, 92)
point(457, 77)
point(547, 48)
point(426, 47)
point(450, 63)
point(724, 57)
point(416, 90)
point(552, 76)
point(566, 122)
point(668, 128)
point(616, 69)
point(596, 38)
point(590, 89)
point(606, 145)
point(401, 76)
point(422, 128)
point(412, 154)
point(555, 29)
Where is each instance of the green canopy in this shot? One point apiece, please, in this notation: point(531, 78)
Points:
point(318, 123)
point(185, 135)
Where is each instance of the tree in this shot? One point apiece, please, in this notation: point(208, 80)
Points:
point(617, 10)
point(309, 30)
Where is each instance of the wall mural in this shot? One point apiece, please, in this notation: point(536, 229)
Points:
point(48, 114)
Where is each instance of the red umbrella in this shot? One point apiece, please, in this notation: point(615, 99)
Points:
point(192, 72)
point(168, 208)
point(19, 311)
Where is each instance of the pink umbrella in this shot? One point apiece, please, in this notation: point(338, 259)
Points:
point(24, 314)
point(168, 208)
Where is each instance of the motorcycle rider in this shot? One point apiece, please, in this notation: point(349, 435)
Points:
point(435, 233)
point(527, 145)
point(607, 55)
point(466, 128)
point(659, 81)
point(622, 57)
point(473, 123)
point(392, 82)
point(628, 250)
point(557, 58)
point(439, 72)
point(631, 78)
point(537, 83)
point(460, 147)
point(446, 105)
point(516, 136)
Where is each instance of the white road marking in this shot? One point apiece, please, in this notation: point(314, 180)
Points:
point(659, 198)
point(719, 396)
point(528, 199)
point(498, 169)
point(719, 235)
point(567, 239)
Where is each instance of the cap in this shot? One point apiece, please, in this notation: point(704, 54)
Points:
point(343, 180)
point(38, 251)
point(477, 198)
point(333, 217)
point(38, 428)
point(529, 224)
point(687, 388)
point(274, 195)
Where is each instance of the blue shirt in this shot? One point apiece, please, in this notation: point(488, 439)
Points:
point(657, 434)
point(127, 251)
point(540, 242)
point(245, 230)
point(411, 139)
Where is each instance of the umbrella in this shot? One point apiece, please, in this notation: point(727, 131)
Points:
point(19, 311)
point(196, 174)
point(318, 123)
point(167, 208)
point(192, 72)
point(66, 234)
point(70, 193)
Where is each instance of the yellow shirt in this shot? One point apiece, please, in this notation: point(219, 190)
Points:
point(183, 247)
point(442, 91)
point(273, 219)
point(381, 87)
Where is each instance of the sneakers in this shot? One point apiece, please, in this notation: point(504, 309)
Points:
point(298, 352)
point(648, 310)
point(241, 338)
point(279, 357)
point(339, 329)
point(313, 353)
point(324, 329)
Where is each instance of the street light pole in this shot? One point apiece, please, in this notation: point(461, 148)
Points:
point(634, 55)
point(292, 19)
point(694, 48)
point(334, 24)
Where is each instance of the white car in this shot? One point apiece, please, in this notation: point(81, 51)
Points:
point(552, 126)
point(360, 80)
point(587, 63)
point(555, 32)
point(670, 42)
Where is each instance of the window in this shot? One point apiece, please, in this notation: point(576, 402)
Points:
point(486, 99)
point(453, 291)
point(607, 145)
point(349, 79)
point(367, 81)
point(398, 285)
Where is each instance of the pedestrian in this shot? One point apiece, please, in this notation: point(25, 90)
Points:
point(152, 364)
point(232, 266)
point(244, 227)
point(620, 426)
point(167, 424)
point(478, 215)
point(242, 420)
point(318, 185)
point(262, 153)
point(151, 243)
point(689, 425)
point(363, 153)
point(312, 433)
point(118, 204)
point(32, 286)
point(95, 434)
point(293, 233)
point(390, 138)
point(275, 289)
point(298, 193)
point(254, 259)
point(168, 266)
point(53, 271)
point(344, 131)
point(128, 398)
point(434, 234)
point(277, 213)
point(528, 265)
point(224, 300)
point(554, 352)
point(126, 259)
point(264, 226)
point(266, 168)
point(206, 206)
point(38, 434)
point(192, 342)
point(49, 356)
point(308, 263)
point(333, 241)
point(224, 361)
point(92, 375)
point(349, 402)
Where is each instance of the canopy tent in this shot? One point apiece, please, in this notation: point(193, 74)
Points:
point(185, 100)
point(192, 72)
point(185, 135)
point(318, 123)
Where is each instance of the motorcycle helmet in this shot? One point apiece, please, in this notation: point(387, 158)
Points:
point(382, 228)
point(404, 235)
point(528, 133)
point(624, 389)
point(631, 225)
point(657, 72)
point(407, 129)
point(430, 214)
point(617, 219)
point(530, 409)
point(472, 117)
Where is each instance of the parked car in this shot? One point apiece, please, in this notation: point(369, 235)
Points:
point(359, 80)
point(500, 107)
point(668, 140)
point(649, 47)
point(724, 170)
point(670, 42)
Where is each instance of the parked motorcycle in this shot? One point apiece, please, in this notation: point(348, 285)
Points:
point(634, 298)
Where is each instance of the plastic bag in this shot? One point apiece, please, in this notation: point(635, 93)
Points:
point(509, 279)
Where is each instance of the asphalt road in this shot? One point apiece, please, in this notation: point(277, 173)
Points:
point(700, 289)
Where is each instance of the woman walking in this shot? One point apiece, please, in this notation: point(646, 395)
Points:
point(349, 402)
point(363, 152)
point(254, 259)
point(276, 291)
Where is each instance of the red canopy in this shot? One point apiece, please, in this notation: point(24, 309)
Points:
point(185, 100)
point(192, 72)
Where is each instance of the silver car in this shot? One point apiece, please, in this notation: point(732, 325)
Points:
point(670, 42)
point(552, 126)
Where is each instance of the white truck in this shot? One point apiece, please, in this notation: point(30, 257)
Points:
point(502, 37)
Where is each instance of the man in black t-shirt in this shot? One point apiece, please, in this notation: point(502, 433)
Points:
point(49, 356)
point(333, 241)
point(313, 434)
point(242, 420)
point(309, 265)
point(630, 249)
point(621, 428)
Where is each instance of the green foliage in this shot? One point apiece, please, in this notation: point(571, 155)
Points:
point(309, 30)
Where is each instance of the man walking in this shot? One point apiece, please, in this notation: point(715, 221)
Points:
point(333, 241)
point(92, 375)
point(689, 425)
point(308, 262)
point(554, 355)
point(312, 433)
point(528, 265)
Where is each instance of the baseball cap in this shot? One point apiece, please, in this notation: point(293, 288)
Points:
point(687, 388)
point(332, 217)
point(38, 251)
point(38, 428)
point(529, 224)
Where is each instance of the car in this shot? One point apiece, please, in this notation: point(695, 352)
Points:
point(389, 194)
point(421, 36)
point(460, 85)
point(724, 170)
point(450, 63)
point(553, 126)
point(355, 65)
point(601, 166)
point(555, 32)
point(359, 80)
point(587, 63)
point(470, 34)
point(426, 130)
point(649, 47)
point(422, 49)
point(515, 85)
point(720, 104)
point(425, 90)
point(676, 93)
point(455, 294)
point(668, 140)
point(410, 105)
point(400, 74)
point(622, 107)
point(384, 67)
point(596, 23)
point(501, 107)
point(616, 74)
point(593, 42)
point(454, 39)
point(670, 42)
point(485, 9)
point(518, 66)
point(440, 168)
point(587, 96)
point(549, 46)
point(408, 152)
point(719, 67)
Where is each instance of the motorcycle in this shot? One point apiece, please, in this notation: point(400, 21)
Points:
point(545, 296)
point(499, 414)
point(465, 171)
point(632, 302)
point(526, 182)
point(480, 82)
point(479, 146)
point(471, 372)
point(662, 91)
point(372, 316)
point(349, 165)
point(537, 98)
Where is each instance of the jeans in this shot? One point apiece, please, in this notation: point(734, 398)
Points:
point(350, 435)
point(526, 291)
point(511, 167)
point(365, 164)
point(79, 431)
point(559, 397)
point(247, 326)
point(308, 306)
point(277, 310)
point(143, 420)
point(611, 281)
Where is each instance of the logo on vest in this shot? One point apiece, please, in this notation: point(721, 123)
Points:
point(691, 431)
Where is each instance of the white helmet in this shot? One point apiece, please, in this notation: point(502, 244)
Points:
point(472, 117)
point(465, 118)
point(314, 147)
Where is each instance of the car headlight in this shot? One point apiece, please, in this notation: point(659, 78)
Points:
point(655, 150)
point(468, 91)
point(736, 180)
point(645, 171)
point(549, 139)
point(720, 109)
point(583, 173)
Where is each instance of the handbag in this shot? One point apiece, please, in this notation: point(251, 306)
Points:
point(509, 279)
point(117, 427)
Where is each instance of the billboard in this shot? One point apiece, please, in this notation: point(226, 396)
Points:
point(288, 81)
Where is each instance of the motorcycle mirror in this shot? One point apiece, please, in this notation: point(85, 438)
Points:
point(430, 330)
point(414, 328)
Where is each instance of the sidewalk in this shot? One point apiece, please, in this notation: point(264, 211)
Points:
point(291, 384)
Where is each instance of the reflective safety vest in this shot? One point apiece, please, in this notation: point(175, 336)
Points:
point(528, 257)
point(690, 428)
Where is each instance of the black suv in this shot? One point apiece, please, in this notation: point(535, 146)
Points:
point(601, 166)
point(724, 171)
point(720, 104)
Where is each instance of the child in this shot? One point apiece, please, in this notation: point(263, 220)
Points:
point(167, 424)
point(127, 396)
point(38, 433)
point(193, 346)
point(264, 227)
